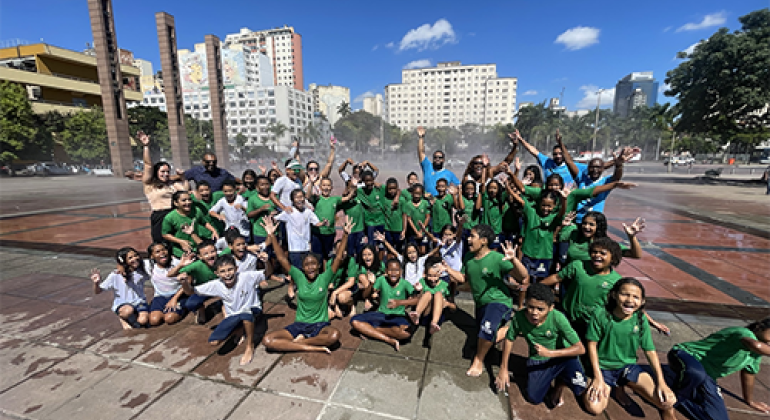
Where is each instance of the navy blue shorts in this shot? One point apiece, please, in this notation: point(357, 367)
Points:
point(624, 375)
point(498, 242)
point(394, 239)
point(226, 327)
point(537, 269)
point(194, 302)
point(542, 372)
point(142, 307)
point(370, 235)
point(697, 394)
point(378, 319)
point(322, 244)
point(490, 317)
point(159, 304)
point(305, 329)
point(355, 243)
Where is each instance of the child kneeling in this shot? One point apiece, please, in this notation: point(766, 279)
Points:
point(389, 322)
point(546, 332)
point(240, 297)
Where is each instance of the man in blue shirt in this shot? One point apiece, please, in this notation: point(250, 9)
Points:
point(433, 171)
point(210, 173)
point(555, 165)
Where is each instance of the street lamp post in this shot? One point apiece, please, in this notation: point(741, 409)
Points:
point(596, 124)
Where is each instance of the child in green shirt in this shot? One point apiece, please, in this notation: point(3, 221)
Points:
point(201, 272)
point(442, 205)
point(554, 348)
point(493, 205)
point(594, 225)
point(325, 207)
point(186, 226)
point(393, 203)
point(417, 212)
point(614, 335)
point(698, 364)
point(389, 322)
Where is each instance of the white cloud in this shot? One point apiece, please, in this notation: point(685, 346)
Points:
point(360, 98)
point(668, 28)
point(374, 48)
point(689, 50)
point(714, 19)
point(578, 37)
point(663, 88)
point(390, 45)
point(590, 96)
point(530, 93)
point(417, 64)
point(428, 36)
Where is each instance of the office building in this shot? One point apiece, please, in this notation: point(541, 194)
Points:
point(450, 95)
point(282, 46)
point(635, 90)
point(327, 100)
point(62, 80)
point(373, 105)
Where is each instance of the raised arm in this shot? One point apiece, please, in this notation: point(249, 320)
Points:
point(327, 170)
point(147, 172)
point(379, 236)
point(344, 166)
point(573, 169)
point(519, 272)
point(508, 160)
point(611, 186)
point(635, 250)
point(618, 160)
point(371, 166)
point(421, 144)
point(346, 229)
point(530, 148)
point(280, 255)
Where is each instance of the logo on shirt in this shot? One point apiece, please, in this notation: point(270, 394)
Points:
point(398, 293)
point(484, 270)
point(636, 329)
point(320, 289)
point(605, 285)
point(549, 334)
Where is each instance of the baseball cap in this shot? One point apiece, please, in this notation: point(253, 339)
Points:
point(295, 165)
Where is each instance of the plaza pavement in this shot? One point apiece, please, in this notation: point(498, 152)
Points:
point(65, 356)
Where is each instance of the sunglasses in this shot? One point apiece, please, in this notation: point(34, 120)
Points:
point(312, 169)
point(438, 157)
point(209, 161)
point(478, 162)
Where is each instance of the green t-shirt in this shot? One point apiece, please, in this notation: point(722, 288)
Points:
point(538, 233)
point(394, 217)
point(372, 204)
point(441, 287)
point(441, 212)
point(172, 225)
point(618, 339)
point(573, 199)
point(493, 212)
point(486, 278)
point(339, 275)
point(400, 291)
point(355, 211)
point(470, 212)
point(354, 270)
point(326, 209)
point(200, 272)
point(248, 194)
point(204, 208)
point(312, 296)
point(417, 213)
point(586, 291)
point(723, 352)
point(552, 334)
point(579, 245)
point(256, 202)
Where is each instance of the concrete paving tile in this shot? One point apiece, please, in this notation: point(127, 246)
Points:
point(80, 231)
point(452, 345)
point(410, 349)
point(733, 394)
point(347, 340)
point(443, 384)
point(86, 332)
point(47, 390)
point(182, 352)
point(680, 333)
point(8, 301)
point(212, 401)
point(311, 375)
point(257, 404)
point(374, 382)
point(39, 318)
point(523, 409)
point(345, 413)
point(123, 395)
point(707, 320)
point(36, 285)
point(226, 367)
point(21, 359)
point(745, 415)
point(10, 275)
point(81, 295)
point(128, 344)
point(638, 408)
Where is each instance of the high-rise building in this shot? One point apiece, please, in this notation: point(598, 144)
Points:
point(327, 100)
point(635, 90)
point(450, 95)
point(283, 48)
point(373, 105)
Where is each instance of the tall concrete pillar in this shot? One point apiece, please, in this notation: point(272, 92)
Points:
point(111, 83)
point(172, 87)
point(217, 96)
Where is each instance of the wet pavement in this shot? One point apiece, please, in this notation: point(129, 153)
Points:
point(65, 355)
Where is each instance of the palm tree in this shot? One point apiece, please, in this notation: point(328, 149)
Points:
point(277, 129)
point(344, 109)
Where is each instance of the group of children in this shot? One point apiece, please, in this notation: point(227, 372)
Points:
point(403, 253)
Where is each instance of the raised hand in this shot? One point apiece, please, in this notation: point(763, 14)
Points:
point(509, 250)
point(143, 138)
point(635, 227)
point(187, 259)
point(269, 225)
point(96, 276)
point(379, 236)
point(485, 159)
point(332, 141)
point(569, 218)
point(189, 229)
point(558, 136)
point(262, 169)
point(349, 224)
point(625, 185)
point(517, 164)
point(421, 131)
point(453, 190)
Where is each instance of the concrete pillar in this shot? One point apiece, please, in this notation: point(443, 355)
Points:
point(172, 88)
point(217, 97)
point(111, 83)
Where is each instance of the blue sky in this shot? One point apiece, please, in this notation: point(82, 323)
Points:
point(577, 46)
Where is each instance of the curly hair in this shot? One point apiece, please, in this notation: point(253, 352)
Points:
point(601, 223)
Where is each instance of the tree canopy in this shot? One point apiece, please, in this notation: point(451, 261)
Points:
point(17, 121)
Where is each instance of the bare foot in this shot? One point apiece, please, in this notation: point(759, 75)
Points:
point(215, 342)
point(622, 396)
point(396, 345)
point(414, 316)
point(434, 328)
point(475, 370)
point(125, 325)
point(557, 400)
point(326, 350)
point(243, 338)
point(367, 305)
point(298, 338)
point(338, 312)
point(247, 355)
point(352, 310)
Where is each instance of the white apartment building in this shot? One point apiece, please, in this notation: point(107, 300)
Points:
point(283, 47)
point(373, 105)
point(450, 95)
point(327, 100)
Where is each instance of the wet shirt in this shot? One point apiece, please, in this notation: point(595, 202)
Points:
point(723, 352)
point(552, 334)
point(618, 339)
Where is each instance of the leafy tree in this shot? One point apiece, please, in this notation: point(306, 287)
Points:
point(200, 137)
point(17, 121)
point(277, 129)
point(724, 85)
point(85, 136)
point(240, 145)
point(344, 109)
point(154, 123)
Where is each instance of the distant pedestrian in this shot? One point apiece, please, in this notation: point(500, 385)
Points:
point(766, 178)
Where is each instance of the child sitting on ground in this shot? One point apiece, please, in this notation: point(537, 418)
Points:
point(434, 299)
point(127, 284)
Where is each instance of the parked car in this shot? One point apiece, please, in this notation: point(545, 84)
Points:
point(50, 169)
point(680, 160)
point(455, 162)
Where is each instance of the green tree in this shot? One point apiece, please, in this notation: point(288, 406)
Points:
point(277, 129)
point(240, 145)
point(154, 123)
point(200, 137)
point(17, 121)
point(724, 85)
point(344, 109)
point(85, 136)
